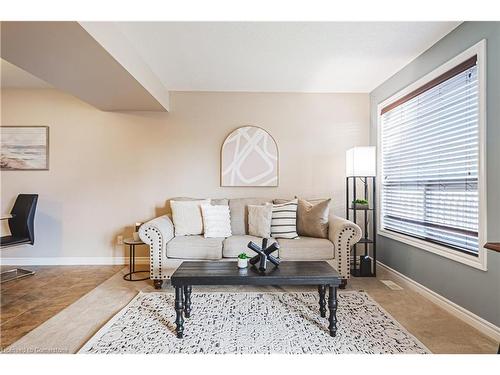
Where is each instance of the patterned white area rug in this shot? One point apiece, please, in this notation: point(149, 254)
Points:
point(253, 323)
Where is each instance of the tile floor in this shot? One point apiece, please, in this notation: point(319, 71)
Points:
point(28, 302)
point(67, 330)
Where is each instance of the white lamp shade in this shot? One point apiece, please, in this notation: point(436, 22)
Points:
point(360, 161)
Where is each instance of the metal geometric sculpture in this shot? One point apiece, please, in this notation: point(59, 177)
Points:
point(264, 254)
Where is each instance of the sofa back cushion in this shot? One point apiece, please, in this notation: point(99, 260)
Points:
point(219, 202)
point(239, 213)
point(215, 202)
point(282, 200)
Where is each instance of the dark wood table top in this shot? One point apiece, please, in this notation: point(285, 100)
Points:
point(227, 273)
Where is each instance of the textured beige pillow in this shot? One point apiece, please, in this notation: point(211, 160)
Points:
point(216, 221)
point(186, 216)
point(312, 218)
point(259, 220)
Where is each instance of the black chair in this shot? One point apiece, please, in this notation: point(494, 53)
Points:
point(22, 231)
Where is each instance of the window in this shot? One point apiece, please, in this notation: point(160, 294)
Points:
point(429, 142)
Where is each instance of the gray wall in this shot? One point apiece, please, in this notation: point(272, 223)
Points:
point(478, 291)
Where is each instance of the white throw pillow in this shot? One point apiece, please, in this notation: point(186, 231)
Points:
point(284, 221)
point(186, 216)
point(259, 220)
point(216, 221)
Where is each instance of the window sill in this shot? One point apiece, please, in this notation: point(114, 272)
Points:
point(478, 262)
point(495, 246)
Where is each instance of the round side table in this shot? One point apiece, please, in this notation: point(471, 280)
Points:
point(131, 251)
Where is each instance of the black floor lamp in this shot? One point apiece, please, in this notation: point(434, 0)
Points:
point(361, 170)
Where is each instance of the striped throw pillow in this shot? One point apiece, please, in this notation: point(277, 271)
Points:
point(284, 220)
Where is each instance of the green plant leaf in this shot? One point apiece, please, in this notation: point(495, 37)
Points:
point(360, 201)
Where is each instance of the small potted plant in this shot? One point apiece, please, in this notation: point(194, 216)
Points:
point(243, 260)
point(360, 204)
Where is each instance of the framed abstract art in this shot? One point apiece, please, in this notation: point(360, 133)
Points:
point(249, 157)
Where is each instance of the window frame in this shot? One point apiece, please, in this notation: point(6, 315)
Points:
point(479, 261)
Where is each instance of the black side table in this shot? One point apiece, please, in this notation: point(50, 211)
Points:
point(131, 247)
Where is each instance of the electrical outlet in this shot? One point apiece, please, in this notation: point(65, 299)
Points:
point(119, 240)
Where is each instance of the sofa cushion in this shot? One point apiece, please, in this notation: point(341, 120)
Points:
point(216, 221)
point(259, 220)
point(306, 248)
point(239, 213)
point(213, 201)
point(219, 201)
point(187, 217)
point(282, 200)
point(312, 218)
point(235, 245)
point(195, 247)
point(284, 220)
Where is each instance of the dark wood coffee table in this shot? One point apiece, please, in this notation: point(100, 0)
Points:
point(227, 273)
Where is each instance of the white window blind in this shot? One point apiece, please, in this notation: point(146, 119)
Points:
point(429, 151)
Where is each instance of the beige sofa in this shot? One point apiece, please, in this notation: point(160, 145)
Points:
point(166, 250)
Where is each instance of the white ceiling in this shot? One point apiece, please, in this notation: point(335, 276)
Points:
point(15, 77)
point(268, 56)
point(66, 56)
point(276, 56)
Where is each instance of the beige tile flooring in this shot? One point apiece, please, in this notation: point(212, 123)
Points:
point(440, 331)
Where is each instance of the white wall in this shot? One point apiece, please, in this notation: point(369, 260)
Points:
point(109, 170)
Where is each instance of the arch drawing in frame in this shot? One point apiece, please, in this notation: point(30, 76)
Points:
point(249, 157)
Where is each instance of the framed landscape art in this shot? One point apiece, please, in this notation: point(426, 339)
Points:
point(24, 148)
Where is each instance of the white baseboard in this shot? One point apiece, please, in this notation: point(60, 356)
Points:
point(69, 261)
point(482, 325)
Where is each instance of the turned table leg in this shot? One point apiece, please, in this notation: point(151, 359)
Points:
point(322, 301)
point(158, 283)
point(332, 306)
point(187, 300)
point(179, 308)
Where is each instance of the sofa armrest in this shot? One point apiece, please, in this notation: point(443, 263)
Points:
point(161, 225)
point(343, 233)
point(157, 233)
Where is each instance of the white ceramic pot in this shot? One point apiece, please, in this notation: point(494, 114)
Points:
point(242, 263)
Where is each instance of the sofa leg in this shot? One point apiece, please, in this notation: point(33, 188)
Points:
point(343, 284)
point(158, 283)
